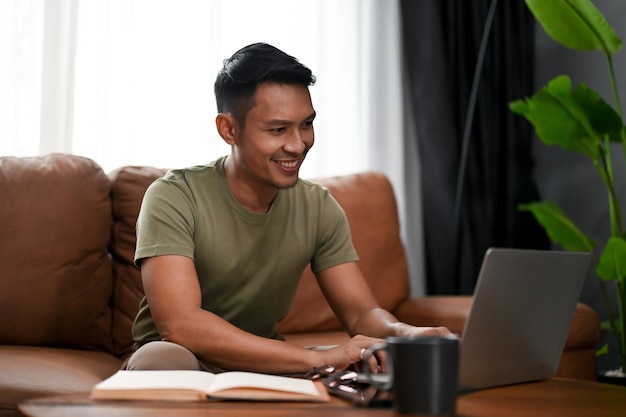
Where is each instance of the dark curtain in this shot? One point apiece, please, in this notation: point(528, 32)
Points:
point(441, 45)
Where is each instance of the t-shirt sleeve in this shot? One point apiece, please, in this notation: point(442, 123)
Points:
point(166, 222)
point(335, 240)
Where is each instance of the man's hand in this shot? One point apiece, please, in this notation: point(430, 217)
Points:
point(349, 353)
point(403, 329)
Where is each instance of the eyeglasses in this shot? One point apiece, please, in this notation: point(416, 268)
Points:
point(363, 389)
point(320, 372)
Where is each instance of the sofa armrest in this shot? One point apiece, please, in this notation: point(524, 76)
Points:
point(436, 310)
point(452, 311)
point(579, 357)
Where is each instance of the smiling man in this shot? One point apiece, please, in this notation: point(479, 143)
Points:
point(221, 247)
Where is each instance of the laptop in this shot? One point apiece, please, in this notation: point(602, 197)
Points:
point(523, 306)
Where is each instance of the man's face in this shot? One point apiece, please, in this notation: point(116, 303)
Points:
point(277, 135)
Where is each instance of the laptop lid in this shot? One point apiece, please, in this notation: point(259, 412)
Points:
point(523, 306)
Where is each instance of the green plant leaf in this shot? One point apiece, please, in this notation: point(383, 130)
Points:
point(612, 265)
point(605, 325)
point(576, 24)
point(576, 120)
point(559, 227)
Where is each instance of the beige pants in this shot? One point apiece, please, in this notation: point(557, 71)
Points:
point(161, 355)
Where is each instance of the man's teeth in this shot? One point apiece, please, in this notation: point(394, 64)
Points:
point(288, 164)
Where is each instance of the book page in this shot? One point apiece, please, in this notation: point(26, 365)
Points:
point(231, 380)
point(158, 380)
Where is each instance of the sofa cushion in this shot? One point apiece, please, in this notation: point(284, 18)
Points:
point(55, 271)
point(128, 185)
point(30, 372)
point(317, 339)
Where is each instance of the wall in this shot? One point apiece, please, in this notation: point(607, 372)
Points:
point(570, 180)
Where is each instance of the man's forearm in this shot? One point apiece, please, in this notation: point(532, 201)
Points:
point(228, 347)
point(377, 322)
point(380, 323)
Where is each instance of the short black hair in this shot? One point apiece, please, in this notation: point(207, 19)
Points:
point(238, 79)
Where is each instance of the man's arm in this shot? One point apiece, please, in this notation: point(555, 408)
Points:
point(354, 304)
point(173, 293)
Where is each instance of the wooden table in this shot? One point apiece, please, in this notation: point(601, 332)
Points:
point(550, 398)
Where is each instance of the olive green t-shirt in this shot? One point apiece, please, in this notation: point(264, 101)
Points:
point(248, 264)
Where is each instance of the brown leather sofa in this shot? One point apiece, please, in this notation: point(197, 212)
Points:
point(69, 290)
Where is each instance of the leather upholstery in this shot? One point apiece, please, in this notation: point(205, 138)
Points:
point(55, 272)
point(33, 371)
point(69, 290)
point(128, 185)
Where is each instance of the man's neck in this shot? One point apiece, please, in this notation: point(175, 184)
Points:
point(254, 197)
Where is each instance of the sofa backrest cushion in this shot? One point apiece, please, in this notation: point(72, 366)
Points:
point(128, 185)
point(55, 271)
point(370, 206)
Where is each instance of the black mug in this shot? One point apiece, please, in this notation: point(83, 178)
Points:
point(423, 373)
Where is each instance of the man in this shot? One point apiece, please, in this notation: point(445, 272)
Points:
point(221, 247)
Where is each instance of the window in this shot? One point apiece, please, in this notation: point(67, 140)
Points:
point(131, 81)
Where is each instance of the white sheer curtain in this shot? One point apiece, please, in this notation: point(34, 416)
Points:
point(130, 81)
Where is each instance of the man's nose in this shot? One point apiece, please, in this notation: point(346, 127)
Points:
point(295, 142)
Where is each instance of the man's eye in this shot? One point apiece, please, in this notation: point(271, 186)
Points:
point(278, 130)
point(308, 124)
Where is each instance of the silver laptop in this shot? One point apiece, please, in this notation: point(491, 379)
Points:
point(522, 310)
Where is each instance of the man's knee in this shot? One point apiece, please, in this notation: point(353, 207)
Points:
point(161, 355)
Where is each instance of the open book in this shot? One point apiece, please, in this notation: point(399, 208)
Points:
point(200, 385)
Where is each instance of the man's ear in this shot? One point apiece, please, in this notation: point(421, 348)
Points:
point(227, 127)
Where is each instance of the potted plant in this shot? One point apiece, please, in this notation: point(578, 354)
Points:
point(579, 120)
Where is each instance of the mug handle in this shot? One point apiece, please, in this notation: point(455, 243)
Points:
point(366, 371)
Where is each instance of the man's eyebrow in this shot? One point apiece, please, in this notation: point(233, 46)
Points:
point(285, 122)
